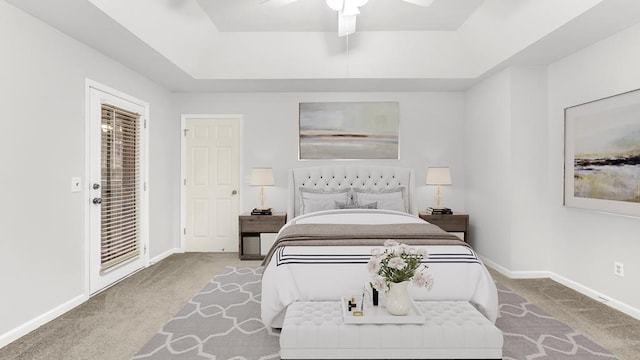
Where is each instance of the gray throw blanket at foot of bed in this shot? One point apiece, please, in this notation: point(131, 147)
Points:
point(361, 235)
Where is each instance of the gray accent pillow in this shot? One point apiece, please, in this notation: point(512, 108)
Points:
point(354, 205)
point(373, 205)
point(346, 205)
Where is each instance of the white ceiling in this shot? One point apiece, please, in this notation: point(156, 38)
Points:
point(315, 15)
point(241, 45)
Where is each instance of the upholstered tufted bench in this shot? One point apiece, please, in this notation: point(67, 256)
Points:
point(452, 330)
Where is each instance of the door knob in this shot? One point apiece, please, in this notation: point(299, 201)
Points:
point(96, 186)
point(97, 201)
point(234, 192)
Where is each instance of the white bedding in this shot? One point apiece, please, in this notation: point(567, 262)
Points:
point(315, 273)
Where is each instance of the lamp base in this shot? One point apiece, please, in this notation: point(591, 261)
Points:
point(262, 211)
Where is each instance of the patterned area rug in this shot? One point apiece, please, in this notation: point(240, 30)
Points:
point(222, 322)
point(531, 333)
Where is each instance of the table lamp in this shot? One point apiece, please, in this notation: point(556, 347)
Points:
point(262, 177)
point(438, 176)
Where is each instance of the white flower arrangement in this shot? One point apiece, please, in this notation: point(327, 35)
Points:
point(396, 263)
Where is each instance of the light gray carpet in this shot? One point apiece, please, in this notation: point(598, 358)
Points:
point(222, 322)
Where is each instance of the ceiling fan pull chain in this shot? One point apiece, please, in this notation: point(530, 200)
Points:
point(347, 40)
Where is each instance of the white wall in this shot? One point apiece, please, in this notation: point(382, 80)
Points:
point(515, 160)
point(528, 178)
point(487, 154)
point(587, 243)
point(431, 126)
point(42, 130)
point(506, 182)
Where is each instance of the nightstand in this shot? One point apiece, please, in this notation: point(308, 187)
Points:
point(257, 234)
point(457, 223)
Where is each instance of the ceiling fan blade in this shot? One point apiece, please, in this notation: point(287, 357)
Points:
point(423, 3)
point(276, 3)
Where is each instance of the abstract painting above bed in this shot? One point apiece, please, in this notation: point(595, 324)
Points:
point(348, 130)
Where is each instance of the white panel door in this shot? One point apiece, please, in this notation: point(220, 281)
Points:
point(212, 158)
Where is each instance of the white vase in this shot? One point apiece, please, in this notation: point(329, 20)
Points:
point(398, 301)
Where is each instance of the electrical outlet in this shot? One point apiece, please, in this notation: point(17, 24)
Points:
point(618, 269)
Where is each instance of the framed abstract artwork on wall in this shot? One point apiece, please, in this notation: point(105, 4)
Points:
point(602, 155)
point(348, 130)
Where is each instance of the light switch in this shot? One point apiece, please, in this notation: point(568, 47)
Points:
point(76, 184)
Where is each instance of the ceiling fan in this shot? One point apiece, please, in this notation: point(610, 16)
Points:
point(347, 11)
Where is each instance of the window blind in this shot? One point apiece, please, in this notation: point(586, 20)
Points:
point(120, 163)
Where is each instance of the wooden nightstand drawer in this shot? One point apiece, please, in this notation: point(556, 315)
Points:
point(451, 223)
point(262, 223)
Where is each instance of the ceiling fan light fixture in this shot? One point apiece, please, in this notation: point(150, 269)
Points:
point(346, 25)
point(350, 9)
point(347, 11)
point(350, 5)
point(335, 5)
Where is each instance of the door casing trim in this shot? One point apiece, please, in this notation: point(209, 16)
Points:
point(144, 216)
point(183, 165)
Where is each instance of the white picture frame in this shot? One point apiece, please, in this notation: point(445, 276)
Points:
point(602, 155)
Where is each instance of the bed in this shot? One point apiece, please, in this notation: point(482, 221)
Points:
point(338, 214)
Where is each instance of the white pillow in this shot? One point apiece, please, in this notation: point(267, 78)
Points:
point(315, 200)
point(392, 199)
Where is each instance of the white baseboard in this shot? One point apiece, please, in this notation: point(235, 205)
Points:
point(165, 255)
point(516, 274)
point(35, 323)
point(616, 304)
point(584, 290)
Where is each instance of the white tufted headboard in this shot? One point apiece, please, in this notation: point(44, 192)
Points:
point(330, 178)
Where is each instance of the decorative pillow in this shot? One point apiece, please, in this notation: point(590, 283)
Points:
point(313, 205)
point(346, 205)
point(373, 205)
point(315, 200)
point(354, 205)
point(390, 199)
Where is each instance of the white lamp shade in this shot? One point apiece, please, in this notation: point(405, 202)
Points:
point(438, 176)
point(261, 177)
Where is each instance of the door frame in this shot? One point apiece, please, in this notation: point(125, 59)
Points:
point(144, 196)
point(183, 165)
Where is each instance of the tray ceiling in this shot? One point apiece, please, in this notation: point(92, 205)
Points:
point(241, 45)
